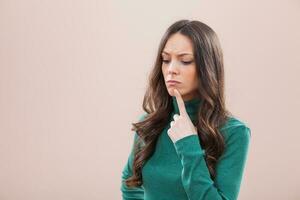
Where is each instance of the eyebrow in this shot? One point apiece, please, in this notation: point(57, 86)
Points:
point(180, 54)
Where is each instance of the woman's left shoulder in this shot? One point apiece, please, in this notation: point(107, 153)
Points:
point(236, 127)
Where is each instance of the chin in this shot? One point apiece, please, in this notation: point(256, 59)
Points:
point(171, 91)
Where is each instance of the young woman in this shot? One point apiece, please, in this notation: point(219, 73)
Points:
point(187, 146)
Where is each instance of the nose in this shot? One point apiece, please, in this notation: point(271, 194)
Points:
point(173, 68)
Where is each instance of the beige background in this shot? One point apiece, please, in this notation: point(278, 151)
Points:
point(73, 74)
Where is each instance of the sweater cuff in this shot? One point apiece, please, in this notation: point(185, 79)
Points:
point(189, 144)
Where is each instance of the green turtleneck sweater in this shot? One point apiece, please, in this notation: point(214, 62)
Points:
point(178, 171)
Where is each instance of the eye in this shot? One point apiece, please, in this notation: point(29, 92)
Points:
point(165, 61)
point(187, 62)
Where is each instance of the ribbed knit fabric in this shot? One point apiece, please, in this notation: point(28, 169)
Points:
point(178, 171)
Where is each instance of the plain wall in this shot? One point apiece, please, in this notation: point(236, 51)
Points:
point(73, 75)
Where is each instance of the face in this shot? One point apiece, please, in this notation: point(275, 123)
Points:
point(178, 64)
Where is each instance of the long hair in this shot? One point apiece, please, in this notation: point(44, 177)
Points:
point(157, 102)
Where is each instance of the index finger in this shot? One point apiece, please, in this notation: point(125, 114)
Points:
point(180, 103)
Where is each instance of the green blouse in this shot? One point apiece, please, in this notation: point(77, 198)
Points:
point(178, 171)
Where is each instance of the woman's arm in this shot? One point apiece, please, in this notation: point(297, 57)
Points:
point(229, 170)
point(136, 193)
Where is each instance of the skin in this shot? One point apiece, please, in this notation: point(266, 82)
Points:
point(177, 51)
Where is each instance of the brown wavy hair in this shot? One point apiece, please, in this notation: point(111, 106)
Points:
point(157, 102)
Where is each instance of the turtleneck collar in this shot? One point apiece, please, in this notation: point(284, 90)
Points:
point(191, 107)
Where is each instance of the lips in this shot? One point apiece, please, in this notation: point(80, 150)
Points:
point(172, 81)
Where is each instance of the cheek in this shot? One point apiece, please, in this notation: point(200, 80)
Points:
point(163, 71)
point(191, 78)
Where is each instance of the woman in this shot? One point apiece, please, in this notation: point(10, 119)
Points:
point(186, 145)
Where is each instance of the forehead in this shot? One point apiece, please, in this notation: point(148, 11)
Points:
point(178, 44)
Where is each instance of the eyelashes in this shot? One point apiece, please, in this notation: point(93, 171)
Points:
point(183, 62)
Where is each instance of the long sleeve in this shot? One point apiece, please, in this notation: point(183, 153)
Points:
point(136, 193)
point(229, 170)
